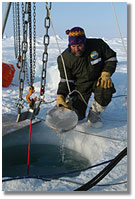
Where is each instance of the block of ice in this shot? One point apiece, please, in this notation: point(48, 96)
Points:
point(61, 119)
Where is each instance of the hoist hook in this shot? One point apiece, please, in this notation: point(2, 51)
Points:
point(19, 62)
point(31, 89)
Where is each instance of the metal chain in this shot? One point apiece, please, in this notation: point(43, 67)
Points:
point(26, 18)
point(23, 58)
point(34, 40)
point(26, 62)
point(45, 53)
point(32, 61)
point(14, 28)
point(18, 20)
point(26, 72)
point(30, 43)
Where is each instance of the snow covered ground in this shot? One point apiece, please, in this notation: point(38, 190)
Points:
point(97, 148)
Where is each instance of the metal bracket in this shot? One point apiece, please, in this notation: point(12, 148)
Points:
point(24, 116)
point(30, 114)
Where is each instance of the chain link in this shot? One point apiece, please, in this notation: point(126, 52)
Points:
point(46, 41)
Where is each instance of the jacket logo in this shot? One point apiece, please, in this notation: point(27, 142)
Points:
point(94, 54)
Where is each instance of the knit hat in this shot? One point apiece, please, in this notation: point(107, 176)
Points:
point(76, 36)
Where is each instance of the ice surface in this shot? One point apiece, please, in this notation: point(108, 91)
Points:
point(98, 149)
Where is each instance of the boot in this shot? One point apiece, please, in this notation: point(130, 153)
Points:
point(94, 114)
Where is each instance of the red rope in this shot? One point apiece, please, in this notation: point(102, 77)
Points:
point(28, 161)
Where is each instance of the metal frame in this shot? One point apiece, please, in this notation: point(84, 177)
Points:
point(5, 17)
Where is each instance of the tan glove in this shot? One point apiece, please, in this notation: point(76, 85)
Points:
point(61, 101)
point(104, 80)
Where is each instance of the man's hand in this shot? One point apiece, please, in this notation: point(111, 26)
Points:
point(61, 101)
point(104, 80)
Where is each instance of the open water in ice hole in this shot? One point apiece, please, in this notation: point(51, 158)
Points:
point(44, 160)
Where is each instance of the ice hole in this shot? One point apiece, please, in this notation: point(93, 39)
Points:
point(48, 156)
